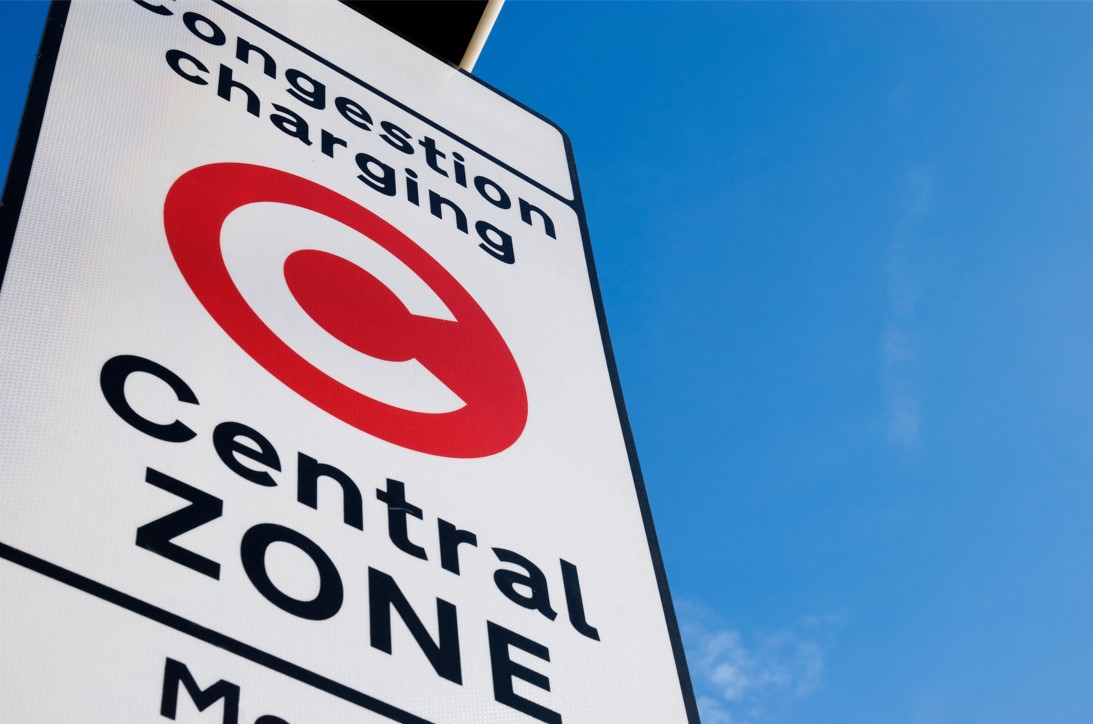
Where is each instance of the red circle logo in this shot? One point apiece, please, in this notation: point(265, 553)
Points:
point(467, 355)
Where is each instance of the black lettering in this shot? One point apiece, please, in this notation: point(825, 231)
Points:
point(450, 538)
point(504, 670)
point(397, 510)
point(432, 154)
point(157, 9)
point(243, 50)
point(411, 187)
point(175, 58)
point(226, 440)
point(460, 169)
point(309, 470)
point(176, 672)
point(532, 578)
point(158, 535)
point(396, 138)
point(495, 242)
point(112, 381)
point(575, 602)
point(306, 89)
point(436, 201)
point(383, 595)
point(329, 141)
point(525, 216)
point(252, 551)
point(384, 183)
point(226, 84)
point(193, 21)
point(290, 123)
point(498, 198)
point(353, 112)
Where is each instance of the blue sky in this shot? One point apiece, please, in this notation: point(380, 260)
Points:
point(846, 252)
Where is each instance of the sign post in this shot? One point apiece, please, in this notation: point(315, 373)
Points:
point(308, 407)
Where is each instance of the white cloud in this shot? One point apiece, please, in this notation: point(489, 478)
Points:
point(742, 679)
point(714, 712)
point(901, 400)
point(898, 348)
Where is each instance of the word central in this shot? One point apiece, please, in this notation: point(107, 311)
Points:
point(252, 457)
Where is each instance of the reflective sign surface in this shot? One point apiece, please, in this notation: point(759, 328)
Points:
point(308, 412)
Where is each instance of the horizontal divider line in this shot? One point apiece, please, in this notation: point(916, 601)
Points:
point(209, 636)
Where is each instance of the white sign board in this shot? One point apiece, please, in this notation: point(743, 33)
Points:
point(308, 412)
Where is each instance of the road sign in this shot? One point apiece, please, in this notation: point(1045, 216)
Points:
point(308, 408)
